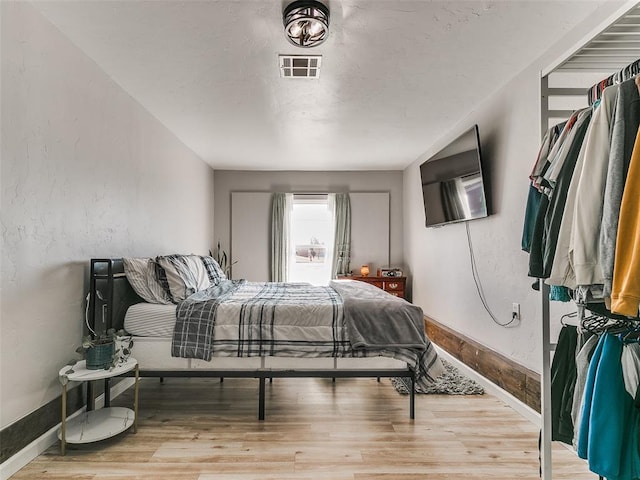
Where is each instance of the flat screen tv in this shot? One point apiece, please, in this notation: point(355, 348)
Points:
point(453, 188)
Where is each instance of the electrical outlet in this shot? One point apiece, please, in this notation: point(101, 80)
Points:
point(515, 311)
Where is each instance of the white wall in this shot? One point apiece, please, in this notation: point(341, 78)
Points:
point(86, 172)
point(227, 181)
point(439, 257)
point(509, 125)
point(250, 246)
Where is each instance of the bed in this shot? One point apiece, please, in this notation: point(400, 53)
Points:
point(267, 330)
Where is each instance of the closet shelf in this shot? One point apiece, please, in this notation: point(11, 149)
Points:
point(612, 49)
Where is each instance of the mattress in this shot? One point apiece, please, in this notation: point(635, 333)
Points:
point(150, 320)
point(152, 326)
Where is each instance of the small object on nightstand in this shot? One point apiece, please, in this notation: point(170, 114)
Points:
point(364, 270)
point(390, 272)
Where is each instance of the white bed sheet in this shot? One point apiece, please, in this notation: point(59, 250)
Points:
point(150, 320)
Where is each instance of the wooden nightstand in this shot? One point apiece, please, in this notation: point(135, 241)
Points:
point(393, 285)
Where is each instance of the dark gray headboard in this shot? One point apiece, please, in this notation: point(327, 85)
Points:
point(111, 294)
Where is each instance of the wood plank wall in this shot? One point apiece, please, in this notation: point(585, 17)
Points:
point(18, 435)
point(522, 383)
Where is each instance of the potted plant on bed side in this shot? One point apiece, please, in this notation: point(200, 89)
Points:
point(223, 260)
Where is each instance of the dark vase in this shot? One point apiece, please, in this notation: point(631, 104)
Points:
point(100, 356)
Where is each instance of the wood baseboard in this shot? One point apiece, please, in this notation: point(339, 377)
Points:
point(18, 435)
point(519, 381)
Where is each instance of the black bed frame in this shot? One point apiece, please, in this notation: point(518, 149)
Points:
point(107, 276)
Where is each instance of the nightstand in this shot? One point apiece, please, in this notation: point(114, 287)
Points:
point(393, 285)
point(95, 425)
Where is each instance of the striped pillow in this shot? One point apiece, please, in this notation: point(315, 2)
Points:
point(181, 275)
point(215, 273)
point(142, 276)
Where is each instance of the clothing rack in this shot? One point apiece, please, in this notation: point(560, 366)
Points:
point(583, 59)
point(626, 73)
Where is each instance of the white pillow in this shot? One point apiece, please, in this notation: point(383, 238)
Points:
point(142, 276)
point(181, 275)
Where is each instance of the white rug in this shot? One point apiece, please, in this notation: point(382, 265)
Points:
point(451, 382)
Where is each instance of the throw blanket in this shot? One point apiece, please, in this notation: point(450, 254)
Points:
point(376, 320)
point(257, 319)
point(302, 320)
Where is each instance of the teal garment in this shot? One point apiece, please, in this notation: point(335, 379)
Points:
point(608, 436)
point(559, 294)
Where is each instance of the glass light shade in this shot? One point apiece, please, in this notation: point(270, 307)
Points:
point(364, 270)
point(295, 29)
point(306, 23)
point(315, 27)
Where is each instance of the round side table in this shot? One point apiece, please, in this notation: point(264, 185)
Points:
point(95, 425)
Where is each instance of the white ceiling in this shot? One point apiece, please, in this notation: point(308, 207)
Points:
point(396, 74)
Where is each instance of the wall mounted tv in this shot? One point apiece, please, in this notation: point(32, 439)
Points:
point(453, 188)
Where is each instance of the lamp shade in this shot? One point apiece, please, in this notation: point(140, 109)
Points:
point(306, 23)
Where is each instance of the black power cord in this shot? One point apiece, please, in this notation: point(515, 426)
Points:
point(476, 279)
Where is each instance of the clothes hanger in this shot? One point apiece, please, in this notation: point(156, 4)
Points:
point(596, 324)
point(632, 332)
point(567, 315)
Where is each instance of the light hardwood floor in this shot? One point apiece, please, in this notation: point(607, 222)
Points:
point(354, 429)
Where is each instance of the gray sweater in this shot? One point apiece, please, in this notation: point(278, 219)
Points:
point(626, 120)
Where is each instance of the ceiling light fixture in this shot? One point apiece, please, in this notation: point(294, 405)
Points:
point(306, 23)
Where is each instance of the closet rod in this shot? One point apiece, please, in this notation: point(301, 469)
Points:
point(621, 75)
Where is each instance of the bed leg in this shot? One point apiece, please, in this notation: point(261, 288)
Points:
point(270, 379)
point(161, 379)
point(221, 379)
point(412, 397)
point(261, 394)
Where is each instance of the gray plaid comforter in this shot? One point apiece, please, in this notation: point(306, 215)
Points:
point(293, 320)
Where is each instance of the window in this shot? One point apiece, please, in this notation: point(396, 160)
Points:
point(311, 245)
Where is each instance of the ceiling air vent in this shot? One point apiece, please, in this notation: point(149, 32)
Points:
point(300, 66)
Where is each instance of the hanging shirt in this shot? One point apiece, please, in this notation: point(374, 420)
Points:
point(534, 196)
point(623, 135)
point(631, 367)
point(583, 358)
point(587, 217)
point(566, 150)
point(557, 137)
point(545, 236)
point(548, 142)
point(625, 294)
point(563, 380)
point(608, 436)
point(561, 270)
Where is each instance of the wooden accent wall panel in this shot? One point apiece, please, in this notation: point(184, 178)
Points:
point(522, 383)
point(18, 435)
